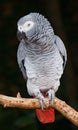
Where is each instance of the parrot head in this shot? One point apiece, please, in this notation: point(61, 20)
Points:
point(33, 27)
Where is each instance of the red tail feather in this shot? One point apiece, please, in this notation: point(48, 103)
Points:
point(46, 116)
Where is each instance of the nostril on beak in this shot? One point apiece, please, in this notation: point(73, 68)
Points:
point(20, 28)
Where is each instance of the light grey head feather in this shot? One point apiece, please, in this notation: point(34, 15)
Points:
point(40, 28)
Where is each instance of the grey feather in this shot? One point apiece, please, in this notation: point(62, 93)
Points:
point(21, 54)
point(61, 48)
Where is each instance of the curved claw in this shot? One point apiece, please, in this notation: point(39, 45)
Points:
point(51, 96)
point(42, 100)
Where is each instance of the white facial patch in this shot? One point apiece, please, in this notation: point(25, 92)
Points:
point(27, 26)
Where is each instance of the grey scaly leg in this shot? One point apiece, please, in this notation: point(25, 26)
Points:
point(42, 100)
point(51, 96)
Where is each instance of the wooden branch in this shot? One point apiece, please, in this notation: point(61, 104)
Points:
point(29, 103)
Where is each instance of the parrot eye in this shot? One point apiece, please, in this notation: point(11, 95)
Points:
point(28, 25)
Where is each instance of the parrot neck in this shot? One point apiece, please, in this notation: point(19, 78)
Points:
point(40, 48)
point(41, 44)
point(46, 44)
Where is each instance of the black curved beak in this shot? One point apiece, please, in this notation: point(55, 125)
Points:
point(21, 35)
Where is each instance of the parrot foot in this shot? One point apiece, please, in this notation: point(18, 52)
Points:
point(42, 100)
point(51, 96)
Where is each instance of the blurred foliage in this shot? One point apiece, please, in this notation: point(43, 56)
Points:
point(11, 80)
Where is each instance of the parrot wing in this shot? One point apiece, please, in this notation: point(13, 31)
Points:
point(60, 45)
point(21, 54)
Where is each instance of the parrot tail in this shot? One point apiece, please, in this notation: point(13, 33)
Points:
point(46, 116)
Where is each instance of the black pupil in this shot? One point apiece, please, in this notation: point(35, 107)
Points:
point(28, 24)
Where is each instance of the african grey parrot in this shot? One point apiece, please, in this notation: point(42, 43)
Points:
point(42, 57)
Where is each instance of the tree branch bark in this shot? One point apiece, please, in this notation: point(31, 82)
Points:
point(29, 103)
